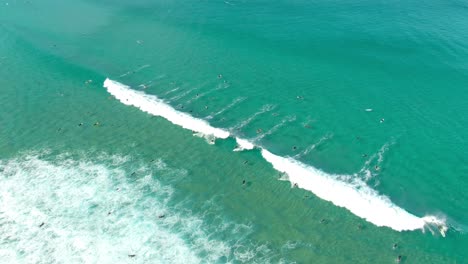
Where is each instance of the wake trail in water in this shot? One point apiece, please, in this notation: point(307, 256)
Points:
point(265, 108)
point(283, 122)
point(313, 146)
point(352, 193)
point(135, 71)
point(229, 106)
point(376, 161)
point(150, 83)
point(183, 94)
point(200, 95)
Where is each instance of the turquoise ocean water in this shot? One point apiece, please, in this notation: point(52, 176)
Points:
point(233, 131)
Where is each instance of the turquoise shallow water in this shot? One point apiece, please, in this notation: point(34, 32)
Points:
point(297, 78)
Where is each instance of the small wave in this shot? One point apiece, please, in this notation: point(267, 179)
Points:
point(157, 107)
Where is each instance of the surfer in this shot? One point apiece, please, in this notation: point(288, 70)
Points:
point(377, 167)
point(80, 124)
point(161, 216)
point(294, 147)
point(382, 120)
point(295, 185)
point(395, 246)
point(220, 76)
point(243, 182)
point(398, 260)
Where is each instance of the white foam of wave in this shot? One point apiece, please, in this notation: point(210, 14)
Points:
point(229, 106)
point(243, 144)
point(135, 71)
point(342, 190)
point(264, 109)
point(78, 211)
point(355, 196)
point(155, 106)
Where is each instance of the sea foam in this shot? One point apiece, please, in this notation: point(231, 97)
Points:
point(92, 210)
point(354, 194)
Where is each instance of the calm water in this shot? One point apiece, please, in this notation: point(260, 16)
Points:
point(347, 119)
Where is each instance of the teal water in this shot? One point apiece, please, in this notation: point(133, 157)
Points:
point(296, 79)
